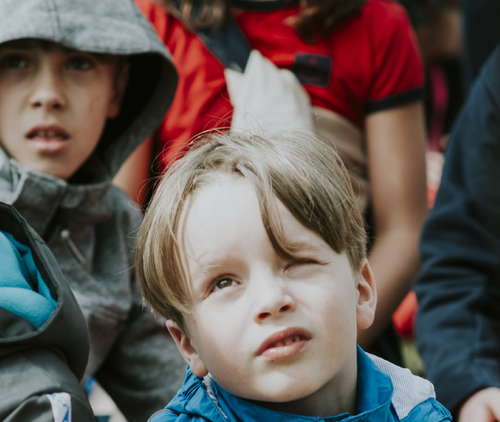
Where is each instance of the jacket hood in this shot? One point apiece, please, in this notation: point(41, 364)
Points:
point(107, 27)
point(36, 303)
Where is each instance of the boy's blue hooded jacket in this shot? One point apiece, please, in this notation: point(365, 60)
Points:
point(386, 393)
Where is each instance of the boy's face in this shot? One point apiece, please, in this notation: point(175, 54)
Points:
point(267, 329)
point(54, 103)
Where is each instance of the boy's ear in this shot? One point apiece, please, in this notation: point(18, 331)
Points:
point(120, 84)
point(367, 297)
point(187, 350)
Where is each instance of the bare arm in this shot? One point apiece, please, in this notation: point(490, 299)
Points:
point(133, 175)
point(396, 159)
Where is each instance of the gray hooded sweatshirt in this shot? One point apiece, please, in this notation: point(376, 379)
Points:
point(88, 224)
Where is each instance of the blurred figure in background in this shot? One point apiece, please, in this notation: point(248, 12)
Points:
point(360, 65)
point(458, 323)
point(481, 35)
point(437, 24)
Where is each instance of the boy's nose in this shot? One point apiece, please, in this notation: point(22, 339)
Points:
point(273, 301)
point(48, 101)
point(48, 92)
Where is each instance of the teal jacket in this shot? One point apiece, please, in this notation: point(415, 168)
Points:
point(386, 393)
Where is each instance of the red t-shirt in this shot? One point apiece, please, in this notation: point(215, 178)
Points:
point(369, 64)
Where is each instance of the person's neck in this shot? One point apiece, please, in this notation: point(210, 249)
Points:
point(338, 396)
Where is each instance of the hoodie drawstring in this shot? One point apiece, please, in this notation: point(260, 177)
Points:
point(66, 238)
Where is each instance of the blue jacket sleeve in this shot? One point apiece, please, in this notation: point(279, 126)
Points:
point(458, 325)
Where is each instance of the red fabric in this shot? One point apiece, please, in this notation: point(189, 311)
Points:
point(405, 315)
point(374, 56)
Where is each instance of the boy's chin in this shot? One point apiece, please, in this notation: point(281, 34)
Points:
point(52, 168)
point(287, 402)
point(285, 393)
point(281, 399)
point(54, 172)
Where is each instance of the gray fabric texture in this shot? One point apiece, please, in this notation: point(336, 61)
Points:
point(33, 362)
point(88, 224)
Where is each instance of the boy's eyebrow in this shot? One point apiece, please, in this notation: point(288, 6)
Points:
point(206, 267)
point(68, 50)
point(209, 262)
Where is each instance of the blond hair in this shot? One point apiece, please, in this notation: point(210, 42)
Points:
point(301, 171)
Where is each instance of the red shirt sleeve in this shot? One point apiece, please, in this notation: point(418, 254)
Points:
point(397, 67)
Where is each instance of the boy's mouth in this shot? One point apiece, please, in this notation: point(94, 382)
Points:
point(284, 344)
point(48, 139)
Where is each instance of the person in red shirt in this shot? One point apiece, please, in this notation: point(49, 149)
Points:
point(359, 61)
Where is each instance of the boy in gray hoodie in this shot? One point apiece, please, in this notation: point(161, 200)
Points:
point(82, 83)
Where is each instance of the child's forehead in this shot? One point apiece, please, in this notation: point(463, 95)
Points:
point(216, 198)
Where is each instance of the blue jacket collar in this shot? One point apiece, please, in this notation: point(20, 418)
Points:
point(373, 403)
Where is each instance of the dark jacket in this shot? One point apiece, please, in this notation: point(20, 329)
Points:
point(386, 393)
point(43, 337)
point(458, 325)
point(88, 223)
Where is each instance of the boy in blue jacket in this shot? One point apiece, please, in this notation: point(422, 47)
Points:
point(254, 251)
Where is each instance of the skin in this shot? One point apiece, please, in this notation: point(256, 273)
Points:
point(396, 162)
point(243, 293)
point(46, 84)
point(484, 406)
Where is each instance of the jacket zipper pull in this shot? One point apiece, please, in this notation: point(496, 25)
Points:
point(66, 238)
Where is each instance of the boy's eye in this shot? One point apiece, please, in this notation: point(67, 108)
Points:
point(14, 61)
point(225, 282)
point(79, 63)
point(301, 263)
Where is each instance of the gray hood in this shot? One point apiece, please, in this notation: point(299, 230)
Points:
point(109, 27)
